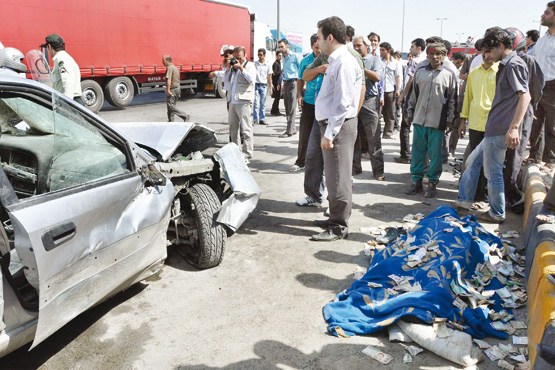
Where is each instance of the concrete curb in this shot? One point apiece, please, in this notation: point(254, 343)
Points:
point(540, 262)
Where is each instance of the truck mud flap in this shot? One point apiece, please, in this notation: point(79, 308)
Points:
point(237, 208)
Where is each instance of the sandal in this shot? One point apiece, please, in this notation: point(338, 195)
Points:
point(546, 219)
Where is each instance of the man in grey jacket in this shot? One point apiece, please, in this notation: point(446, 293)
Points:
point(240, 76)
point(431, 109)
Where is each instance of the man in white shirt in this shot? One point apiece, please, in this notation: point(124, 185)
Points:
point(336, 111)
point(263, 81)
point(543, 148)
point(66, 74)
point(239, 80)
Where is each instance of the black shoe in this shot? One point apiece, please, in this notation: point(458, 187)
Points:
point(357, 171)
point(404, 160)
point(328, 236)
point(186, 118)
point(391, 235)
point(380, 177)
point(415, 187)
point(262, 123)
point(387, 137)
point(431, 191)
point(321, 223)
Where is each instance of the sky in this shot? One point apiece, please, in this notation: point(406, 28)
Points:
point(385, 17)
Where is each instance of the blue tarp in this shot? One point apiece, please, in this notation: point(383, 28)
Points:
point(362, 309)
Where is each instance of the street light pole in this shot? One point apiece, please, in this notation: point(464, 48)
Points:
point(403, 29)
point(278, 32)
point(441, 27)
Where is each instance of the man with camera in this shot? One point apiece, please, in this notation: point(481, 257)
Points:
point(239, 79)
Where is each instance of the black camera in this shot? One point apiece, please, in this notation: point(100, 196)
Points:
point(233, 62)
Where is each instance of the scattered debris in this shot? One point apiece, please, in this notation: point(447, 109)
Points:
point(359, 273)
point(482, 344)
point(413, 350)
point(407, 359)
point(523, 341)
point(494, 353)
point(377, 355)
point(413, 219)
point(397, 335)
point(510, 234)
point(505, 365)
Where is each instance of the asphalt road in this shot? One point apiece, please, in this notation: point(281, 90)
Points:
point(261, 308)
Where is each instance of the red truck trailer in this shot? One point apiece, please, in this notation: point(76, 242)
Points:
point(119, 44)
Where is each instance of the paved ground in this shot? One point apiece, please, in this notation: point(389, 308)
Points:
point(261, 308)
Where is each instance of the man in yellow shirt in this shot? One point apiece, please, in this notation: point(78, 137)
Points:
point(479, 93)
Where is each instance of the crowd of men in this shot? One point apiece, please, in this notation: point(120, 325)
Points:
point(503, 96)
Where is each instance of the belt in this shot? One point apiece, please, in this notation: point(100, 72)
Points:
point(291, 80)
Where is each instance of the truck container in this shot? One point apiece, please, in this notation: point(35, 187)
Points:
point(119, 45)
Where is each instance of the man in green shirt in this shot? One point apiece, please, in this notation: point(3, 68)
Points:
point(173, 90)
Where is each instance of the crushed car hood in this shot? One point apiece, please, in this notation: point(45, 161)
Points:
point(167, 138)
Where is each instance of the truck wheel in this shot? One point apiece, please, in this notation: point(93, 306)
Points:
point(207, 248)
point(120, 91)
point(93, 97)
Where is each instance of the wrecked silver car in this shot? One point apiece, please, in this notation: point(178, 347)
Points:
point(88, 208)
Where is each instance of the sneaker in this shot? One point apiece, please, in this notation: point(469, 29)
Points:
point(255, 122)
point(431, 191)
point(415, 187)
point(308, 202)
point(262, 123)
point(295, 168)
point(404, 160)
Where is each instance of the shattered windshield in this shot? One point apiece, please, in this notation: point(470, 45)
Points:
point(20, 116)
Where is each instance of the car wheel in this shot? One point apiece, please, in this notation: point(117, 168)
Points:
point(120, 91)
point(93, 97)
point(208, 242)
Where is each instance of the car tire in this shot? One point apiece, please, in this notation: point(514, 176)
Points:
point(93, 96)
point(208, 249)
point(119, 91)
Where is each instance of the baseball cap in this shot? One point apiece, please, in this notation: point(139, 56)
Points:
point(54, 40)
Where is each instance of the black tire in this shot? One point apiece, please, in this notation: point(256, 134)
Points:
point(93, 96)
point(119, 91)
point(208, 249)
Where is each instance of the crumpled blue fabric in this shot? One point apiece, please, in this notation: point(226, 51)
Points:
point(364, 310)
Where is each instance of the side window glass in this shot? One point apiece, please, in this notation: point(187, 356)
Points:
point(47, 146)
point(81, 153)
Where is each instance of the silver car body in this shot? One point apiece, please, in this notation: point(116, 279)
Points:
point(88, 235)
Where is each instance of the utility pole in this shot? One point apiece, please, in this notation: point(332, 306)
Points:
point(441, 27)
point(278, 30)
point(403, 29)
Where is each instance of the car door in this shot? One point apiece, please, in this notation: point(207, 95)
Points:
point(90, 227)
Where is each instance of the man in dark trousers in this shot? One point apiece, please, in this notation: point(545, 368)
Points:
point(173, 90)
point(276, 83)
point(336, 112)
